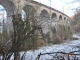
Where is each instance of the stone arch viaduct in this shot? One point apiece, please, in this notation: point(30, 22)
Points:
point(42, 11)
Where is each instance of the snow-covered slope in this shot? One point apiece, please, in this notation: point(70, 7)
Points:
point(68, 46)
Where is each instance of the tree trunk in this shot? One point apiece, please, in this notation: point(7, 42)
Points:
point(16, 56)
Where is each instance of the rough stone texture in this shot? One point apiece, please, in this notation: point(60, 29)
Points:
point(47, 16)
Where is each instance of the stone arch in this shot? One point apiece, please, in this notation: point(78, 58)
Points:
point(10, 10)
point(44, 17)
point(44, 13)
point(67, 19)
point(68, 22)
point(54, 17)
point(9, 7)
point(29, 10)
point(64, 18)
point(60, 17)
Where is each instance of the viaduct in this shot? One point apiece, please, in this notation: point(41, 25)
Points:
point(42, 12)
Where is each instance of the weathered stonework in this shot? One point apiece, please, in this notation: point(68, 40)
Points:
point(50, 16)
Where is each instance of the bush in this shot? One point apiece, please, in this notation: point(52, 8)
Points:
point(65, 32)
point(60, 33)
point(77, 28)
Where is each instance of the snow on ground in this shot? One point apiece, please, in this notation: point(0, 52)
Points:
point(65, 47)
point(76, 36)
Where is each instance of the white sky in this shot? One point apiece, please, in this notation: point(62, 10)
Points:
point(3, 14)
point(64, 6)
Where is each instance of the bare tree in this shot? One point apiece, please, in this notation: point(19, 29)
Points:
point(25, 35)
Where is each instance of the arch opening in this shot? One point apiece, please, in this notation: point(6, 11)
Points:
point(3, 26)
point(44, 17)
point(30, 11)
point(60, 17)
point(3, 18)
point(23, 15)
point(54, 17)
point(64, 18)
point(44, 14)
point(28, 14)
point(9, 7)
point(10, 10)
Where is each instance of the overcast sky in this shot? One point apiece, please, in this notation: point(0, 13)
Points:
point(64, 6)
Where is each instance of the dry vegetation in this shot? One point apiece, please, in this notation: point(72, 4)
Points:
point(62, 33)
point(76, 22)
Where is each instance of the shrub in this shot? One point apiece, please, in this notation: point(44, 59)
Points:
point(63, 32)
point(77, 28)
